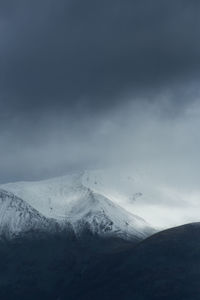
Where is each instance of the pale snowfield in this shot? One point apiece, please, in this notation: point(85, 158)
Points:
point(68, 199)
point(160, 205)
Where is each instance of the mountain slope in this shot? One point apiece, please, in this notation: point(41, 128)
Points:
point(17, 216)
point(48, 267)
point(67, 199)
point(164, 266)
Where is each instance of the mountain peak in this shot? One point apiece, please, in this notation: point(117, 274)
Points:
point(67, 199)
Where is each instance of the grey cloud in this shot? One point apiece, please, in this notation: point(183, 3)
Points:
point(69, 68)
point(84, 53)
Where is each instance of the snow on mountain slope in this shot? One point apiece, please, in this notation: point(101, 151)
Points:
point(147, 193)
point(67, 199)
point(17, 216)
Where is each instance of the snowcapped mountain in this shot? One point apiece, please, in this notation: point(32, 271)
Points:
point(17, 216)
point(67, 199)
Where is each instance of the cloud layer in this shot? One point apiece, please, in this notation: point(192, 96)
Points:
point(91, 83)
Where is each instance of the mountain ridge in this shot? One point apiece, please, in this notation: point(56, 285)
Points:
point(66, 199)
point(17, 216)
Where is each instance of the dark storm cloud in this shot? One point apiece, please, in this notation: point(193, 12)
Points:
point(83, 54)
point(69, 67)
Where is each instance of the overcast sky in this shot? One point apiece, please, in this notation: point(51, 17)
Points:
point(88, 84)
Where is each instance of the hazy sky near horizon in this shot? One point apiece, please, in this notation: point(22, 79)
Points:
point(89, 84)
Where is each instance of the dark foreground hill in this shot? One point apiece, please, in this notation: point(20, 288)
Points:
point(49, 266)
point(164, 266)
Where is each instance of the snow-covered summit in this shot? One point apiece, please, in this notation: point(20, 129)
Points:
point(68, 199)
